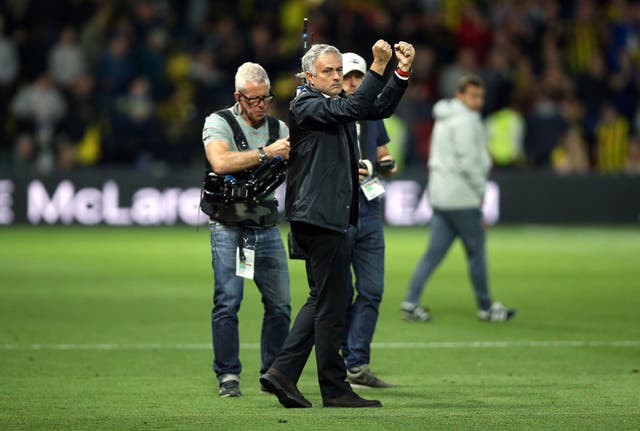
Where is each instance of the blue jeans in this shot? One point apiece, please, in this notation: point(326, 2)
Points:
point(272, 279)
point(367, 260)
point(446, 225)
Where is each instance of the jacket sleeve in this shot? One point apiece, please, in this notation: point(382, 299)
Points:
point(313, 109)
point(468, 141)
point(388, 99)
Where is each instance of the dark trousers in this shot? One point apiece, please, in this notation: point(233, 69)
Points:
point(321, 320)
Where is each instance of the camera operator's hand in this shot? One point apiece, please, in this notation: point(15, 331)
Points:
point(393, 170)
point(280, 148)
point(405, 54)
point(381, 55)
point(363, 172)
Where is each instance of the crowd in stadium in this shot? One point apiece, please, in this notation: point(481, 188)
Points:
point(129, 83)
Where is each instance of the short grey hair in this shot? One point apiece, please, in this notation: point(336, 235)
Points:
point(311, 56)
point(251, 72)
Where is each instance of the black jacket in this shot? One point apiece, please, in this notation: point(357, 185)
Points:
point(322, 172)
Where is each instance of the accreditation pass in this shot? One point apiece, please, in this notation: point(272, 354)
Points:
point(372, 188)
point(245, 268)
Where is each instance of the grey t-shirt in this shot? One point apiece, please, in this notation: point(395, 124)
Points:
point(216, 128)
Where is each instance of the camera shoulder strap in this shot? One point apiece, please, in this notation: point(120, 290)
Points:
point(274, 129)
point(238, 135)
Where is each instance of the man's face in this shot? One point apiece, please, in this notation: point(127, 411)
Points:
point(254, 101)
point(328, 77)
point(352, 81)
point(472, 97)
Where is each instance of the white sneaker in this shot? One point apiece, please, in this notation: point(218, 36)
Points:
point(363, 377)
point(497, 313)
point(230, 386)
point(411, 311)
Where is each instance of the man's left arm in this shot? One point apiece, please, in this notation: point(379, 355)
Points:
point(388, 99)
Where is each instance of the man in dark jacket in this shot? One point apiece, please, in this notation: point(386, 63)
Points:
point(321, 203)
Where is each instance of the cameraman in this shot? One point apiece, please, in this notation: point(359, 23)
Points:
point(244, 230)
point(367, 253)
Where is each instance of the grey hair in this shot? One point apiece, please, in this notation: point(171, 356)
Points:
point(251, 72)
point(311, 56)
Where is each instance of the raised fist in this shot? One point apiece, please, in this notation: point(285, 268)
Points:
point(405, 54)
point(381, 51)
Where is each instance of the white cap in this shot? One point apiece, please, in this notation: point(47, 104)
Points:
point(351, 62)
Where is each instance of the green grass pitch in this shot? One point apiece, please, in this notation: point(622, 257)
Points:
point(108, 329)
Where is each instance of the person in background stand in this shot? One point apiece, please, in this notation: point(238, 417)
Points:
point(458, 168)
point(367, 253)
point(321, 203)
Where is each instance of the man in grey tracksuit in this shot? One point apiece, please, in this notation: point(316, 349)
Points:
point(459, 164)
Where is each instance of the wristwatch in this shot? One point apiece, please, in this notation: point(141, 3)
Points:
point(263, 155)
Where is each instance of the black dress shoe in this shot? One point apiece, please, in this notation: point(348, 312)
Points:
point(352, 400)
point(278, 384)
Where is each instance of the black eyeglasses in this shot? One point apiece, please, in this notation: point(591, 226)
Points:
point(254, 101)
